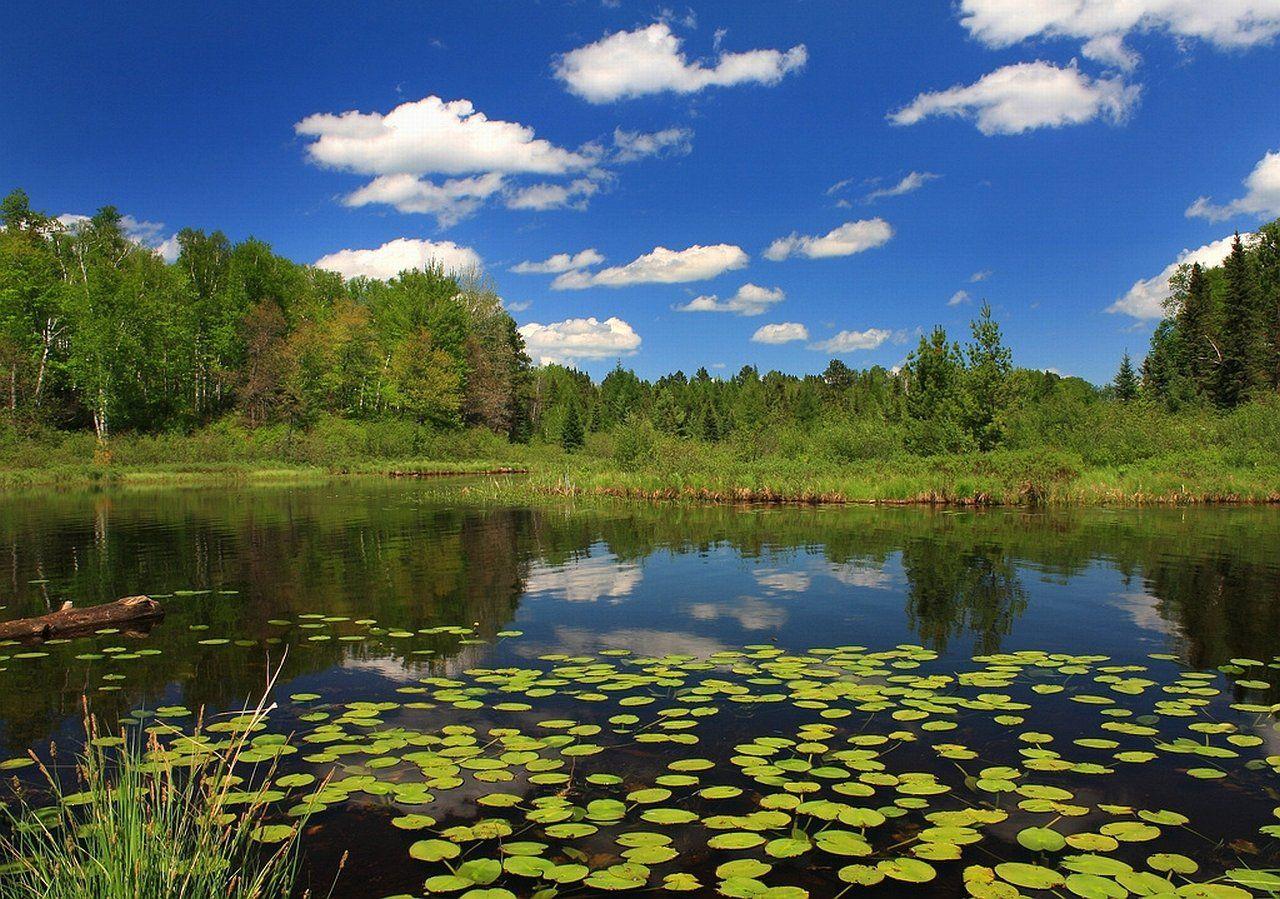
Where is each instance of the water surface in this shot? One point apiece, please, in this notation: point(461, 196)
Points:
point(333, 573)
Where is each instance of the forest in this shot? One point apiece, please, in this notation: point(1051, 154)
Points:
point(232, 352)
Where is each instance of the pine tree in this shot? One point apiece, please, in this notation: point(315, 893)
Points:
point(986, 379)
point(1199, 343)
point(1244, 364)
point(710, 424)
point(571, 432)
point(1126, 383)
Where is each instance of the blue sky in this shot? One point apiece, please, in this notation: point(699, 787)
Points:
point(1056, 155)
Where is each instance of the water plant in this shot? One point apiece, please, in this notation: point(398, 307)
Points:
point(138, 818)
point(761, 771)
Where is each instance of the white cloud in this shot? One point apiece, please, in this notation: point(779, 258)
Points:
point(579, 338)
point(560, 262)
point(649, 61)
point(1145, 299)
point(632, 145)
point(983, 275)
point(1103, 24)
point(661, 266)
point(397, 255)
point(433, 136)
point(913, 181)
point(547, 195)
point(1026, 96)
point(851, 341)
point(849, 238)
point(838, 186)
point(141, 232)
point(751, 299)
point(449, 202)
point(786, 332)
point(1261, 197)
point(960, 296)
point(517, 306)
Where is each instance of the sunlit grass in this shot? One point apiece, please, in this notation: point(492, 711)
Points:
point(133, 819)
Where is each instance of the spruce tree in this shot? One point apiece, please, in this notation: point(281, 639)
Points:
point(571, 432)
point(1198, 341)
point(1126, 383)
point(1244, 364)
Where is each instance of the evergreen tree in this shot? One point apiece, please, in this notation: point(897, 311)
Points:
point(1199, 363)
point(986, 380)
point(1243, 370)
point(1126, 382)
point(572, 435)
point(709, 429)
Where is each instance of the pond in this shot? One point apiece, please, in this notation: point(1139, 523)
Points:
point(590, 697)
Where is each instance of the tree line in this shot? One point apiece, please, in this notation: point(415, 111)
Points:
point(98, 332)
point(1219, 342)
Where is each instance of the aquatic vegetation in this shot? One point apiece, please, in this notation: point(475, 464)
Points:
point(763, 772)
point(138, 818)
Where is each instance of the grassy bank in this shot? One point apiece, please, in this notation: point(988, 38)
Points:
point(1002, 478)
point(1133, 466)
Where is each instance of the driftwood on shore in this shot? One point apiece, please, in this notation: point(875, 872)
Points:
point(72, 622)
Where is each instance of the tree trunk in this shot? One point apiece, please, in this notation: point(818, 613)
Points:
point(71, 622)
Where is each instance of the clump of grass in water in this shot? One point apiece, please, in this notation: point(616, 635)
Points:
point(144, 822)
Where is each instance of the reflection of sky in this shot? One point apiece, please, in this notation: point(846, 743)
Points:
point(588, 579)
point(802, 599)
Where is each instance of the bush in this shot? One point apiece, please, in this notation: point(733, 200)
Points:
point(633, 444)
point(859, 441)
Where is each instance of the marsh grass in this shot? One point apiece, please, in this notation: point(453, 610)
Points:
point(136, 819)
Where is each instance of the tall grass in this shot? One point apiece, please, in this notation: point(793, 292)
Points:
point(146, 820)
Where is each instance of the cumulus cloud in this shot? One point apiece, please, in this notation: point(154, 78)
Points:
point(398, 255)
point(913, 181)
point(979, 276)
point(432, 135)
point(1026, 96)
point(849, 238)
point(1261, 197)
point(560, 262)
point(1146, 298)
point(960, 296)
point(549, 195)
point(141, 232)
point(579, 338)
point(629, 146)
point(851, 341)
point(650, 61)
point(449, 202)
point(751, 299)
point(1102, 25)
point(784, 332)
point(661, 266)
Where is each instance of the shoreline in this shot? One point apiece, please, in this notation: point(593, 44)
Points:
point(969, 488)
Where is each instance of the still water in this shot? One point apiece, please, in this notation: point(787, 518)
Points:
point(365, 590)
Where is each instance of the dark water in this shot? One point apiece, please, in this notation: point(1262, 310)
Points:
point(1201, 585)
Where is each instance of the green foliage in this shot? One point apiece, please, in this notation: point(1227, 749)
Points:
point(98, 331)
point(572, 435)
point(1126, 382)
point(145, 821)
point(1220, 339)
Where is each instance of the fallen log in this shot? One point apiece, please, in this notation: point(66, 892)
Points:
point(72, 622)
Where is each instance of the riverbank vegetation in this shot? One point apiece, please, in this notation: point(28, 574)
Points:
point(233, 362)
point(134, 817)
